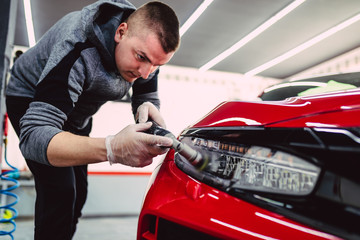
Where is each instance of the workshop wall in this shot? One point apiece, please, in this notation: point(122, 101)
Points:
point(186, 95)
point(348, 62)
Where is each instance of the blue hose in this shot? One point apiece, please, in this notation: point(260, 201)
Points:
point(10, 177)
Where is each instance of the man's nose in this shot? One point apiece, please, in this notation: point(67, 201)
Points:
point(146, 69)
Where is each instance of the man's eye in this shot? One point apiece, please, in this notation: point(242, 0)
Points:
point(140, 57)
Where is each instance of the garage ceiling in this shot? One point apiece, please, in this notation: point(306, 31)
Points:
point(225, 22)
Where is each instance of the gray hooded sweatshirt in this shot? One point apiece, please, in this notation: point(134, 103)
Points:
point(70, 73)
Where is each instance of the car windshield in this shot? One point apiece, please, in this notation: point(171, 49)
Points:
point(311, 86)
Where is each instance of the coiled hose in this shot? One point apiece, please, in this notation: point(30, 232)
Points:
point(8, 184)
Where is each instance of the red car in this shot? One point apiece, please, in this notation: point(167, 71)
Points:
point(274, 170)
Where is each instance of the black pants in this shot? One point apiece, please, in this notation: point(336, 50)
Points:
point(60, 191)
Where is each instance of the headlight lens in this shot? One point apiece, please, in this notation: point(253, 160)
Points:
point(252, 167)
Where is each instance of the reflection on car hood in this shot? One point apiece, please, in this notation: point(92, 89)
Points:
point(237, 113)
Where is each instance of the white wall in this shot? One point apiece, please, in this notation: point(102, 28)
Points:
point(186, 95)
point(347, 62)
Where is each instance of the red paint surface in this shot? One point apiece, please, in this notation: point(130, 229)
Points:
point(276, 113)
point(175, 196)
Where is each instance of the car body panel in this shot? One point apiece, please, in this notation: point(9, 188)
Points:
point(179, 198)
point(271, 112)
point(343, 118)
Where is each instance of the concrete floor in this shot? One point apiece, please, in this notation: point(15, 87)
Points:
point(100, 228)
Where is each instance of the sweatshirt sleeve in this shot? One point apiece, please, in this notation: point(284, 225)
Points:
point(41, 122)
point(145, 90)
point(55, 97)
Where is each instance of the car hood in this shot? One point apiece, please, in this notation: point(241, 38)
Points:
point(280, 113)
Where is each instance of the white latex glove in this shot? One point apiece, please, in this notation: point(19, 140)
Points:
point(134, 148)
point(148, 110)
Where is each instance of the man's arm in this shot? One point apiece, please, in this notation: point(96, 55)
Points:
point(67, 149)
point(131, 147)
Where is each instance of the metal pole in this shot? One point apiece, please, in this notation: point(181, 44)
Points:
point(7, 33)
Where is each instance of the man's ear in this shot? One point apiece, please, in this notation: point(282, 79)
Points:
point(120, 32)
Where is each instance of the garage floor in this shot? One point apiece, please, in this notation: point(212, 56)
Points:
point(88, 228)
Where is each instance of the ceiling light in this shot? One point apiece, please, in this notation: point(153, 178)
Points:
point(252, 35)
point(29, 23)
point(303, 46)
point(195, 16)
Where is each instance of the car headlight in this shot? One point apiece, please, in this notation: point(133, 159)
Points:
point(251, 167)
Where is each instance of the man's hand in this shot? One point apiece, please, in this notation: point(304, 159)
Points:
point(148, 110)
point(134, 148)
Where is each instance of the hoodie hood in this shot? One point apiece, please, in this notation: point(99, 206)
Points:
point(101, 20)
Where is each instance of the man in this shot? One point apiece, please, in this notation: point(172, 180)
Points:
point(87, 58)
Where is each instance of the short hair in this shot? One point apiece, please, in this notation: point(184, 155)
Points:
point(159, 18)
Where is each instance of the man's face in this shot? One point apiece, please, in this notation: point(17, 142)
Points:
point(138, 55)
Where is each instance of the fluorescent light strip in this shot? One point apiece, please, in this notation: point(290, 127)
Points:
point(303, 46)
point(29, 23)
point(252, 35)
point(194, 16)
